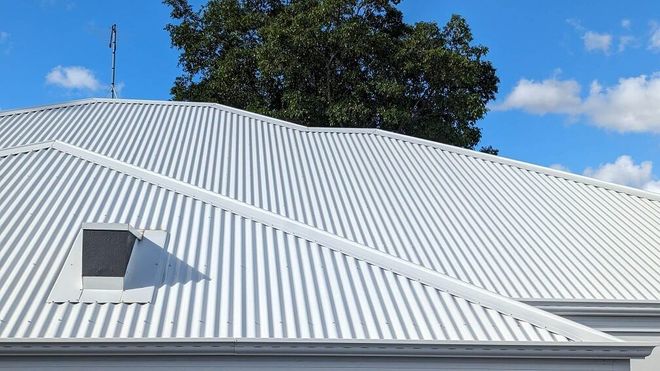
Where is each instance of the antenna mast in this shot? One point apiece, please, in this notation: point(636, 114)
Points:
point(113, 46)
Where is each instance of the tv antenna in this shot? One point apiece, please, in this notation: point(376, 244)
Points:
point(113, 46)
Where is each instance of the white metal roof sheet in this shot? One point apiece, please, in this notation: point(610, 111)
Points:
point(226, 275)
point(515, 229)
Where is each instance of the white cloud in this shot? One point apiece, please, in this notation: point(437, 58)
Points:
point(594, 41)
point(5, 42)
point(603, 41)
point(631, 105)
point(624, 42)
point(541, 97)
point(622, 171)
point(653, 186)
point(63, 4)
point(625, 171)
point(576, 24)
point(73, 77)
point(654, 40)
point(560, 167)
point(626, 23)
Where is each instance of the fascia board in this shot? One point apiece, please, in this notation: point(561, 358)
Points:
point(311, 347)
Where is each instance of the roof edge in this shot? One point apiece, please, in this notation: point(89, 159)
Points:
point(312, 347)
point(386, 261)
point(623, 308)
point(445, 147)
point(526, 166)
point(425, 142)
point(42, 107)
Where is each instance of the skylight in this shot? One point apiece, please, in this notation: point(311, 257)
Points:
point(111, 263)
point(106, 251)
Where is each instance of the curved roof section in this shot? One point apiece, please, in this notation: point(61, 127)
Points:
point(516, 229)
point(228, 275)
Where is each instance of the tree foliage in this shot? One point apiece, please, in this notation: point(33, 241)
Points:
point(340, 63)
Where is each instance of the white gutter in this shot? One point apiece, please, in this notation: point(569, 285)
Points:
point(312, 347)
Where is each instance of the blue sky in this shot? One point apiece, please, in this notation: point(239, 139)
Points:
point(580, 81)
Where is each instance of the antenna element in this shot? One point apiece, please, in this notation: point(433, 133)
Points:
point(113, 46)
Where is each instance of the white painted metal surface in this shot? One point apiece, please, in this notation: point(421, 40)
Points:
point(226, 275)
point(269, 354)
point(144, 273)
point(388, 262)
point(515, 229)
point(102, 283)
point(157, 362)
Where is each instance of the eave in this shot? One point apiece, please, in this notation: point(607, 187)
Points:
point(616, 317)
point(310, 347)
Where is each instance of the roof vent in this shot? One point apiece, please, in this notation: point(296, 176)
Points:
point(106, 251)
point(112, 263)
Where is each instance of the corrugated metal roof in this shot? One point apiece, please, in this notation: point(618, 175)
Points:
point(512, 228)
point(227, 275)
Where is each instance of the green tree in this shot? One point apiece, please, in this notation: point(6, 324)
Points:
point(340, 63)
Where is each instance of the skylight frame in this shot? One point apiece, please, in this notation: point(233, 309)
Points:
point(145, 271)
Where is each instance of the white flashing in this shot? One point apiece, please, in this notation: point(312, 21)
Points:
point(25, 148)
point(102, 283)
point(114, 227)
point(432, 278)
point(145, 271)
point(445, 147)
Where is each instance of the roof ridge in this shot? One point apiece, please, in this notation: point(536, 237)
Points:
point(440, 281)
point(25, 148)
point(76, 102)
point(543, 170)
